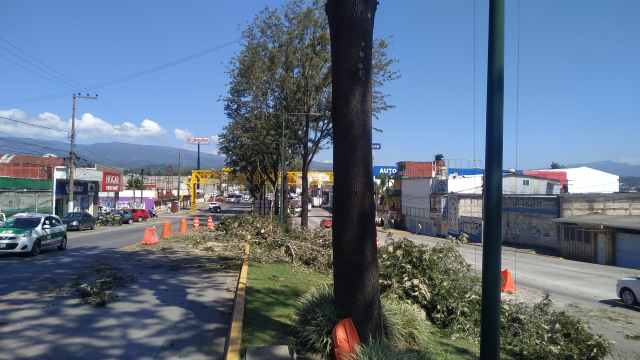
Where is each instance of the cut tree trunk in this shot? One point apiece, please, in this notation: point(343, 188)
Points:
point(355, 260)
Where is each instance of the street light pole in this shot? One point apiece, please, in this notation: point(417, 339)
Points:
point(282, 173)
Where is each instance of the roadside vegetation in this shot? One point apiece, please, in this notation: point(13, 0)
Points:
point(431, 302)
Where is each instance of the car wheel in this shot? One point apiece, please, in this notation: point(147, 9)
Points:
point(140, 218)
point(35, 248)
point(628, 297)
point(80, 227)
point(93, 226)
point(130, 221)
point(63, 244)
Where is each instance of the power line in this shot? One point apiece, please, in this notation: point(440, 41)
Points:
point(26, 123)
point(125, 78)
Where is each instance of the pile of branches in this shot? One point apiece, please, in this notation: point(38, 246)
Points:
point(273, 242)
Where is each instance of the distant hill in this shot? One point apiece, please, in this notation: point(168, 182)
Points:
point(612, 167)
point(125, 155)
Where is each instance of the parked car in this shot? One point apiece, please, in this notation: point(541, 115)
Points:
point(126, 217)
point(139, 215)
point(220, 200)
point(79, 221)
point(30, 232)
point(628, 289)
point(326, 223)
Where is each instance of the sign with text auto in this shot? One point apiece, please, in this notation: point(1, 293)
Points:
point(385, 170)
point(201, 141)
point(110, 182)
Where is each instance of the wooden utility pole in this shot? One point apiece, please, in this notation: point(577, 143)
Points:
point(72, 153)
point(179, 164)
point(133, 186)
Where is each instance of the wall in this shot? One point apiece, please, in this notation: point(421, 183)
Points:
point(610, 204)
point(13, 202)
point(526, 220)
point(471, 226)
point(465, 184)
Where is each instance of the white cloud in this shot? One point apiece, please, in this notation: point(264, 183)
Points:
point(215, 139)
point(328, 161)
point(87, 127)
point(183, 134)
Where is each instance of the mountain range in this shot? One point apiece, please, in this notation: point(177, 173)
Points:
point(120, 154)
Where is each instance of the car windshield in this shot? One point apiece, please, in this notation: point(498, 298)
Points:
point(73, 215)
point(22, 222)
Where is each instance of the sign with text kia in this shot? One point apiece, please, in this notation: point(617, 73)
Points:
point(201, 141)
point(110, 182)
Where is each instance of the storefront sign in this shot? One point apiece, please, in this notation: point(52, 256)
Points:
point(385, 170)
point(79, 188)
point(110, 182)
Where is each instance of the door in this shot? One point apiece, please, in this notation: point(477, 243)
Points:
point(601, 259)
point(46, 238)
point(628, 250)
point(57, 231)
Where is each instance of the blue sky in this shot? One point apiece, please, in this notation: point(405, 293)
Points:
point(572, 79)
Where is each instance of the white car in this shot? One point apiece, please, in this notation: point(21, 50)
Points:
point(212, 204)
point(628, 289)
point(30, 232)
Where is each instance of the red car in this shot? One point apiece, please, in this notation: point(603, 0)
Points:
point(219, 199)
point(327, 223)
point(139, 215)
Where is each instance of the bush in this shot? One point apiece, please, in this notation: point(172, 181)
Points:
point(404, 324)
point(538, 332)
point(436, 279)
point(381, 350)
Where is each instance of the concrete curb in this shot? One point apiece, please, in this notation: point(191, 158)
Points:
point(234, 339)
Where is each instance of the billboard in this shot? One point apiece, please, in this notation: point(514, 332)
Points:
point(201, 141)
point(110, 182)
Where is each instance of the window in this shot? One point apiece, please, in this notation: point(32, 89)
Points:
point(525, 182)
point(572, 233)
point(433, 204)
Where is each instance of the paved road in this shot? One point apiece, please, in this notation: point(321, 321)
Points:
point(170, 311)
point(315, 216)
point(583, 289)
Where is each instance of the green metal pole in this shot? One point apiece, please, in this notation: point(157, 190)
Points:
point(282, 172)
point(492, 257)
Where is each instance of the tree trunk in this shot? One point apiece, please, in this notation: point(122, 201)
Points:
point(355, 260)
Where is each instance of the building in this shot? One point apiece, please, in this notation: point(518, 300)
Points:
point(602, 239)
point(86, 185)
point(27, 182)
point(513, 183)
point(584, 180)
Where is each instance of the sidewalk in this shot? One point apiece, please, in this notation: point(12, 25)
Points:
point(173, 303)
point(398, 234)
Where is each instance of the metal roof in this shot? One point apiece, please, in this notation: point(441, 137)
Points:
point(614, 221)
point(28, 159)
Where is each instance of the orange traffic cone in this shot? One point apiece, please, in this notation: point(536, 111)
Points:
point(154, 236)
point(506, 284)
point(183, 226)
point(210, 222)
point(166, 229)
point(147, 237)
point(196, 222)
point(378, 242)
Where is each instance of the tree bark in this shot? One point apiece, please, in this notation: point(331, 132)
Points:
point(355, 260)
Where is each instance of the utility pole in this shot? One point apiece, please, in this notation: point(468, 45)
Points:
point(142, 190)
point(133, 185)
point(72, 153)
point(179, 164)
point(492, 238)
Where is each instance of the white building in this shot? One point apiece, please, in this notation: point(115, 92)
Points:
point(585, 180)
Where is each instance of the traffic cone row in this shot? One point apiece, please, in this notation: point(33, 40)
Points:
point(150, 236)
point(210, 222)
point(183, 226)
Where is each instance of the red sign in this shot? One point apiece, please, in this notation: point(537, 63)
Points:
point(110, 182)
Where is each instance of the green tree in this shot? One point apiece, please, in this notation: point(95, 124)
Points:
point(284, 70)
point(135, 181)
point(356, 274)
point(555, 165)
point(380, 189)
